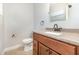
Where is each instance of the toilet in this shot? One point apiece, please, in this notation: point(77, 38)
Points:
point(27, 44)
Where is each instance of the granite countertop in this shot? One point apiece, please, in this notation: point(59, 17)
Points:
point(69, 37)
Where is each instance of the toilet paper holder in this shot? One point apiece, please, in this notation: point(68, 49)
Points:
point(13, 35)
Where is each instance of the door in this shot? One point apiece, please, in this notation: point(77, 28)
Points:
point(43, 50)
point(35, 47)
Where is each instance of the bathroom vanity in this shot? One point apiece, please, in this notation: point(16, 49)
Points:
point(48, 44)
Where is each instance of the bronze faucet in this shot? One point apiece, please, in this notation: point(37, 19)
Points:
point(55, 28)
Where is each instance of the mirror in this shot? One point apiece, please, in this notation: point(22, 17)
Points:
point(58, 12)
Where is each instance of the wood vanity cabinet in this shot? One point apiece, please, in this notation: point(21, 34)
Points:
point(51, 52)
point(43, 45)
point(35, 47)
point(43, 50)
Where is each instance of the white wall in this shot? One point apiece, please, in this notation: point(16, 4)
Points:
point(1, 33)
point(18, 20)
point(40, 13)
point(57, 7)
point(1, 28)
point(73, 21)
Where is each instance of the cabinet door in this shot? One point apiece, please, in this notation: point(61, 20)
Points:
point(35, 47)
point(43, 50)
point(51, 52)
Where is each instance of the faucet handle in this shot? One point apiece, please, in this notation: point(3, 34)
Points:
point(60, 29)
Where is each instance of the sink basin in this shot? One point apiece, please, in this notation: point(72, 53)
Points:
point(54, 33)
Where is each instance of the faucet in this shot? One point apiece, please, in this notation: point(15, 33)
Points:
point(55, 28)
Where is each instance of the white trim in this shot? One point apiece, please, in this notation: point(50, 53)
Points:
point(10, 48)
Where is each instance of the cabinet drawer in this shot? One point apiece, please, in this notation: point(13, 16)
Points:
point(61, 47)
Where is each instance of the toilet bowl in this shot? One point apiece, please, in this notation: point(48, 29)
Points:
point(27, 44)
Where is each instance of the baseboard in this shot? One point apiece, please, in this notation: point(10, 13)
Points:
point(10, 48)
